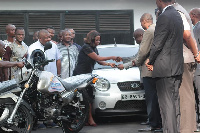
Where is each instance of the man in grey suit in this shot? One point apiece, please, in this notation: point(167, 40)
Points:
point(195, 17)
point(137, 35)
point(166, 62)
point(153, 110)
point(186, 90)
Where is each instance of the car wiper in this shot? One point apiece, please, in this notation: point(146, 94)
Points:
point(107, 67)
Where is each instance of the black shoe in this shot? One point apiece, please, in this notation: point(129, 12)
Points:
point(149, 128)
point(158, 130)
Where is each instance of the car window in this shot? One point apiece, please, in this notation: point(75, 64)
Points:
point(115, 51)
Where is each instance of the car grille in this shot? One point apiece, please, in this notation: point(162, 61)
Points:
point(129, 105)
point(130, 86)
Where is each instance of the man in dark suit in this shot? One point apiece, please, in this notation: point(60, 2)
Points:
point(166, 62)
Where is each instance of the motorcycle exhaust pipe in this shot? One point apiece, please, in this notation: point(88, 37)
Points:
point(67, 97)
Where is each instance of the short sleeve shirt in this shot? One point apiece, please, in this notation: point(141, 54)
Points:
point(68, 60)
point(85, 63)
point(185, 22)
point(8, 52)
point(18, 52)
point(53, 53)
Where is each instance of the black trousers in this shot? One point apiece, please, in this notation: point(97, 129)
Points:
point(153, 110)
point(169, 102)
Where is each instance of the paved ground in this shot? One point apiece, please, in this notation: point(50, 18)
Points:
point(111, 125)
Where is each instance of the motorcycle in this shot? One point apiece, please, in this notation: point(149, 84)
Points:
point(43, 96)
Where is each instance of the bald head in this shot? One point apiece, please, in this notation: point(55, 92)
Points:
point(146, 20)
point(42, 33)
point(147, 17)
point(138, 31)
point(44, 36)
point(196, 12)
point(195, 15)
point(66, 37)
point(9, 26)
point(138, 34)
point(10, 30)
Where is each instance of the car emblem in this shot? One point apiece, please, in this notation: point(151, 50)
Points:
point(135, 85)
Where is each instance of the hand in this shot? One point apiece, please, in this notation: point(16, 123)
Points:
point(20, 64)
point(133, 63)
point(120, 66)
point(197, 58)
point(112, 64)
point(118, 59)
point(150, 67)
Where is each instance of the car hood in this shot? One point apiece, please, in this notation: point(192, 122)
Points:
point(115, 75)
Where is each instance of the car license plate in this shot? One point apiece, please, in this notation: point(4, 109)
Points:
point(133, 97)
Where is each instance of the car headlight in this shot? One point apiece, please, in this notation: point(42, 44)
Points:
point(102, 84)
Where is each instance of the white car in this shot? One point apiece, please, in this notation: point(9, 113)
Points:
point(120, 93)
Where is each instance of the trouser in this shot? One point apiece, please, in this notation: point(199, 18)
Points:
point(187, 100)
point(169, 102)
point(153, 110)
point(197, 95)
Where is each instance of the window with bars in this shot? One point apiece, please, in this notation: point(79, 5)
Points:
point(112, 24)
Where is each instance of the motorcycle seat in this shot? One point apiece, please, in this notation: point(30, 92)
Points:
point(8, 85)
point(75, 81)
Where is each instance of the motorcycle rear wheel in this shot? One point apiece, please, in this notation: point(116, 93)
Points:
point(77, 116)
point(22, 121)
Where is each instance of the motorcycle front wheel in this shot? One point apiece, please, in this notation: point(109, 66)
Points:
point(77, 112)
point(22, 121)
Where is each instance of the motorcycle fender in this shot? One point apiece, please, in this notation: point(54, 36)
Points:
point(12, 99)
point(9, 95)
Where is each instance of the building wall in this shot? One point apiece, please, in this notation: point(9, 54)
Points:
point(139, 6)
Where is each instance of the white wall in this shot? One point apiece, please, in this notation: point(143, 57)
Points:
point(139, 6)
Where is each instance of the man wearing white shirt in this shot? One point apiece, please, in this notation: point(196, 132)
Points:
point(53, 67)
point(53, 53)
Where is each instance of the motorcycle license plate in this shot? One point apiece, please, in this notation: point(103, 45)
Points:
point(125, 97)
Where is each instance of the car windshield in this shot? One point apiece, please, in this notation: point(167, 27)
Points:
point(115, 51)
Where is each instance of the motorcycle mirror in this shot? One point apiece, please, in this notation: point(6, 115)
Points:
point(47, 46)
point(27, 63)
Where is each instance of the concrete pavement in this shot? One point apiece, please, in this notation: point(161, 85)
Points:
point(108, 125)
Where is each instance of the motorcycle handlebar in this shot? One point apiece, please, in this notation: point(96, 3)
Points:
point(45, 62)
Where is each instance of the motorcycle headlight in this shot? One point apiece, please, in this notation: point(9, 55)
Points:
point(102, 84)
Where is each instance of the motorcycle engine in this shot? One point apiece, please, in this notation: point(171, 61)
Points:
point(48, 106)
point(51, 113)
